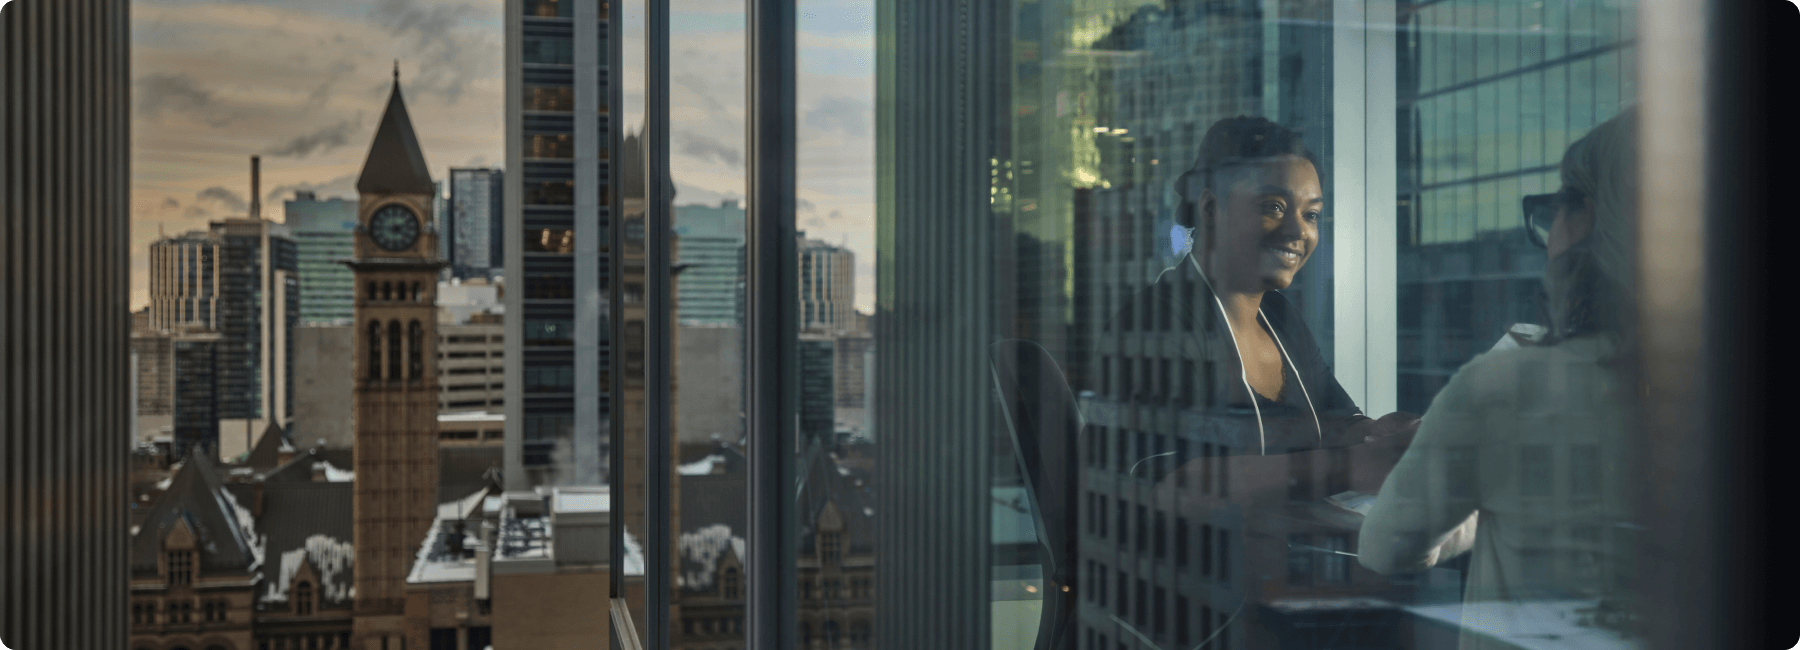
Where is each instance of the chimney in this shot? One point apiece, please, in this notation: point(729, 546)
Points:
point(256, 187)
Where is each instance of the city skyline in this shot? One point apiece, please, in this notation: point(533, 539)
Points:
point(302, 84)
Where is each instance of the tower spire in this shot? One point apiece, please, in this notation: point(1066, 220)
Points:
point(396, 71)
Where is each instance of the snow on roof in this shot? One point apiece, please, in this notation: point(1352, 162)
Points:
point(472, 416)
point(705, 547)
point(634, 554)
point(700, 467)
point(433, 563)
point(333, 474)
point(246, 527)
point(1531, 625)
point(574, 500)
point(330, 558)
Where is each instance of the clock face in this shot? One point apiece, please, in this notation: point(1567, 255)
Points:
point(394, 228)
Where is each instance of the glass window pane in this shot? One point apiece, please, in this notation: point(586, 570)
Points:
point(1164, 223)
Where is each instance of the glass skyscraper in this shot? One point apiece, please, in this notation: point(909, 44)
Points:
point(474, 223)
point(324, 233)
point(556, 220)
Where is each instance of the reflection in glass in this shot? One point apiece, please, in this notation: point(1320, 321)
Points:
point(1058, 224)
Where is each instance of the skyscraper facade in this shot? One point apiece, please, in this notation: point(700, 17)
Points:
point(556, 217)
point(240, 280)
point(827, 287)
point(711, 251)
point(474, 226)
point(64, 359)
point(1483, 122)
point(324, 233)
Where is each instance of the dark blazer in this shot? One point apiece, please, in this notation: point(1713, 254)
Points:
point(1177, 319)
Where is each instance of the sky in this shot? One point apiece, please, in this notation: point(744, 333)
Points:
point(302, 83)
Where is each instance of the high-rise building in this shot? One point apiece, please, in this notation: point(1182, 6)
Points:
point(64, 272)
point(238, 279)
point(827, 287)
point(556, 193)
point(396, 267)
point(324, 235)
point(711, 252)
point(818, 404)
point(473, 229)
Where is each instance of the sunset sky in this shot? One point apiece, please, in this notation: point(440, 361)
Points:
point(302, 84)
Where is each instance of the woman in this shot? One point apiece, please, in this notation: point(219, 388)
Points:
point(1253, 202)
point(1528, 444)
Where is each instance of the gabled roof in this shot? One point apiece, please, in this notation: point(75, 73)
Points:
point(224, 531)
point(267, 452)
point(311, 523)
point(395, 164)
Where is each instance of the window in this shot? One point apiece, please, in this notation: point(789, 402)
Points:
point(549, 50)
point(729, 584)
point(303, 598)
point(542, 97)
point(373, 359)
point(415, 352)
point(393, 351)
point(829, 547)
point(548, 9)
point(180, 567)
point(549, 240)
point(549, 331)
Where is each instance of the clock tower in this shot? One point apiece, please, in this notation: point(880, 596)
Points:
point(396, 270)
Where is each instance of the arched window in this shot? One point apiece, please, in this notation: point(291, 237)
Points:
point(730, 583)
point(372, 294)
point(415, 352)
point(393, 351)
point(805, 634)
point(387, 291)
point(303, 604)
point(374, 357)
point(415, 292)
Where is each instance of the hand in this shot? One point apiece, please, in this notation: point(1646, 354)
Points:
point(1385, 441)
point(1394, 430)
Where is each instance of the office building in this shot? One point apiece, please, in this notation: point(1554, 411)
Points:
point(557, 138)
point(818, 389)
point(514, 569)
point(65, 356)
point(324, 381)
point(473, 230)
point(471, 368)
point(827, 287)
point(324, 235)
point(710, 367)
point(1467, 272)
point(711, 250)
point(238, 279)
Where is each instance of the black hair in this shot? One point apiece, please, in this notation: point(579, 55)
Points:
point(1235, 141)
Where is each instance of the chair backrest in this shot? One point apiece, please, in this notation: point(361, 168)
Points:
point(1045, 426)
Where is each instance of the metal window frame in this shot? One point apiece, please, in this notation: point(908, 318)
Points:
point(1364, 194)
point(772, 320)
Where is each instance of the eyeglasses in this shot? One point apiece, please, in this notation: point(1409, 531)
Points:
point(1540, 212)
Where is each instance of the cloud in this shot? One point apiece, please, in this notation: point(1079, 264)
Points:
point(840, 113)
point(170, 202)
point(340, 186)
point(710, 149)
point(448, 58)
point(229, 200)
point(160, 92)
point(806, 205)
point(323, 140)
point(197, 211)
point(835, 215)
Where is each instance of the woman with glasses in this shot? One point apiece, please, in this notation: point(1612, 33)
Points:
point(1519, 459)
